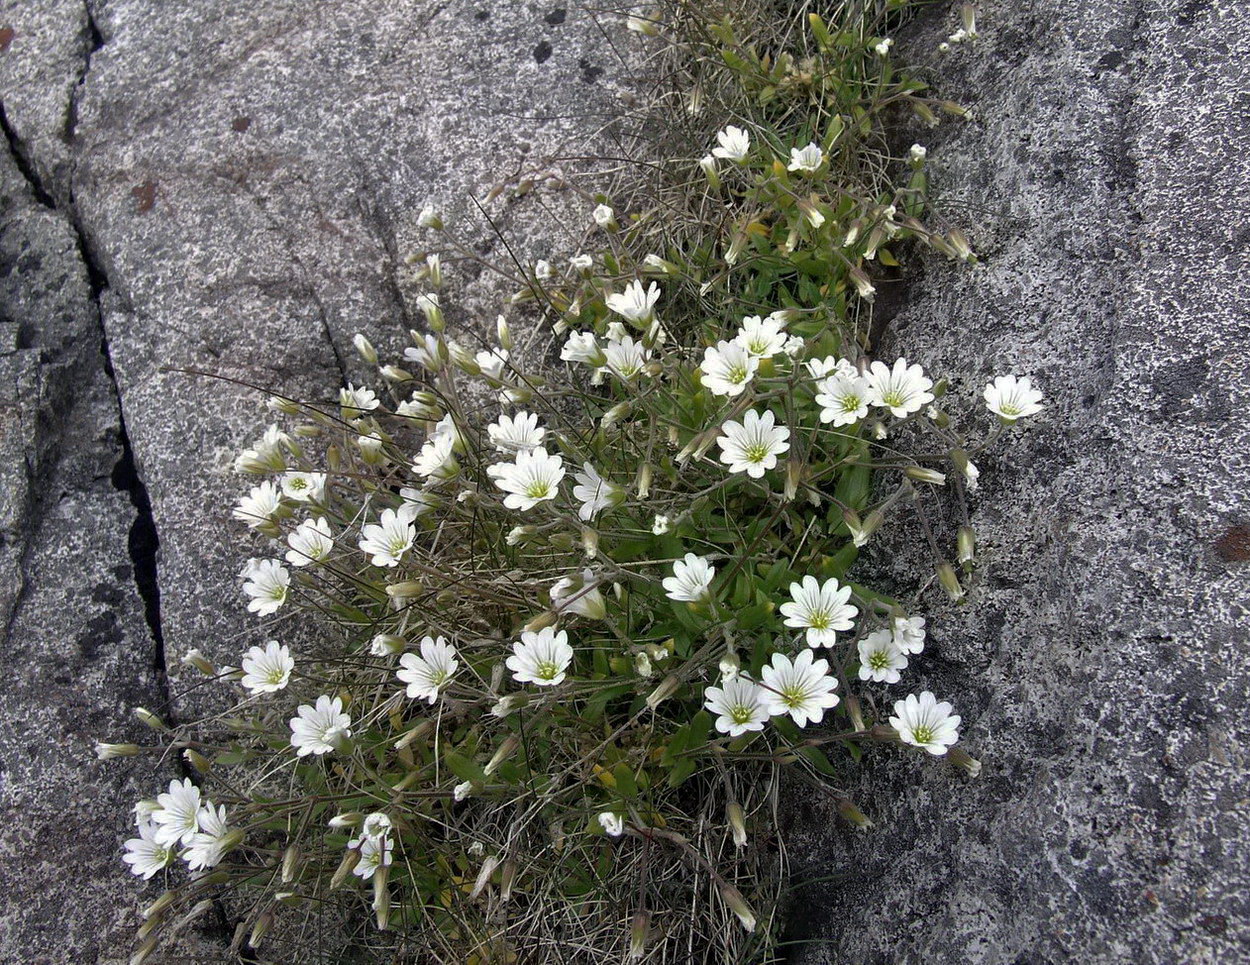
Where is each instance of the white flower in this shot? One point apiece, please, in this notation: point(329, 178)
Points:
point(595, 493)
point(903, 389)
point(260, 505)
point(428, 353)
point(268, 456)
point(880, 659)
point(625, 358)
point(843, 401)
point(909, 634)
point(734, 144)
point(762, 337)
point(581, 262)
point(918, 152)
point(177, 815)
point(375, 853)
point(462, 790)
point(418, 501)
point(267, 582)
point(310, 542)
point(390, 538)
point(806, 159)
point(635, 303)
point(883, 48)
point(416, 408)
point(356, 402)
point(515, 433)
point(613, 824)
point(822, 609)
point(542, 269)
point(376, 825)
point(207, 845)
point(727, 368)
point(661, 524)
point(803, 689)
point(1010, 398)
point(753, 445)
point(604, 216)
point(829, 365)
point(492, 362)
point(691, 580)
point(430, 217)
point(740, 705)
point(433, 312)
point(541, 658)
point(268, 670)
point(533, 478)
point(145, 855)
point(427, 674)
point(582, 347)
point(437, 459)
point(926, 723)
point(318, 729)
point(971, 474)
point(304, 487)
point(794, 346)
point(584, 602)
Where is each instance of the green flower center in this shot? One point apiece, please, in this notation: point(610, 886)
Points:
point(850, 403)
point(894, 398)
point(736, 374)
point(757, 452)
point(923, 734)
point(1009, 408)
point(819, 620)
point(741, 714)
point(537, 490)
point(548, 670)
point(879, 660)
point(794, 696)
point(274, 675)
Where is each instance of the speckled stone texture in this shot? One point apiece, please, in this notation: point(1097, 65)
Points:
point(1101, 661)
point(231, 187)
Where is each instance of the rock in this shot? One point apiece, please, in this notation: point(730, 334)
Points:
point(1100, 661)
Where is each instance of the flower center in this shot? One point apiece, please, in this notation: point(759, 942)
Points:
point(894, 397)
point(878, 660)
point(741, 713)
point(794, 696)
point(819, 620)
point(277, 593)
point(850, 403)
point(736, 374)
point(923, 733)
point(548, 670)
point(398, 544)
point(537, 489)
point(1009, 408)
point(274, 675)
point(757, 452)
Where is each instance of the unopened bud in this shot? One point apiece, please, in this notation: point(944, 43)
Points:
point(483, 876)
point(351, 858)
point(415, 733)
point(862, 285)
point(921, 474)
point(428, 303)
point(738, 905)
point(849, 812)
point(503, 333)
point(146, 716)
point(737, 823)
point(158, 906)
point(707, 164)
point(853, 709)
point(667, 687)
point(505, 750)
point(794, 475)
point(506, 879)
point(348, 819)
point(107, 752)
point(260, 929)
point(590, 541)
point(365, 349)
point(405, 589)
point(144, 951)
point(291, 863)
point(615, 414)
point(729, 666)
point(872, 522)
point(950, 581)
point(520, 535)
point(279, 404)
point(644, 480)
point(639, 925)
point(430, 218)
point(967, 543)
point(386, 644)
point(382, 897)
point(434, 269)
point(540, 622)
point(509, 704)
point(815, 217)
point(197, 760)
point(194, 658)
point(961, 758)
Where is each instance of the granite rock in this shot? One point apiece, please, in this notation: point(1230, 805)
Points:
point(1100, 661)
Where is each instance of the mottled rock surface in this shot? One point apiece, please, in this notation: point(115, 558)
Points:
point(1100, 662)
point(228, 187)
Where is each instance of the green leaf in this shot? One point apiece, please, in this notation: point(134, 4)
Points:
point(464, 768)
point(681, 771)
point(625, 782)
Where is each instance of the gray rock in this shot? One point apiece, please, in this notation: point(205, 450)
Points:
point(1100, 662)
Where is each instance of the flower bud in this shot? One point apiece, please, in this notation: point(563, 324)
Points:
point(737, 823)
point(194, 658)
point(667, 687)
point(642, 664)
point(921, 474)
point(382, 896)
point(644, 480)
point(146, 716)
point(961, 758)
point(639, 925)
point(279, 404)
point(615, 414)
point(509, 704)
point(197, 760)
point(107, 752)
point(503, 333)
point(291, 863)
point(430, 218)
point(737, 904)
point(386, 644)
point(853, 710)
point(708, 165)
point(967, 543)
point(872, 522)
point(540, 622)
point(415, 733)
point(729, 666)
point(142, 953)
point(405, 590)
point(605, 217)
point(351, 858)
point(520, 535)
point(348, 819)
point(434, 269)
point(862, 285)
point(260, 929)
point(506, 750)
point(428, 303)
point(483, 876)
point(506, 878)
point(365, 349)
point(950, 581)
point(815, 217)
point(664, 267)
point(158, 906)
point(794, 475)
point(590, 541)
point(849, 812)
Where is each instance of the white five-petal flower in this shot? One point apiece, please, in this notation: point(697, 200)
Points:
point(437, 460)
point(733, 144)
point(843, 401)
point(728, 368)
point(594, 492)
point(579, 595)
point(427, 674)
point(390, 538)
point(803, 689)
point(740, 704)
point(515, 433)
point(534, 477)
point(613, 824)
point(753, 445)
point(691, 580)
point(903, 389)
point(177, 815)
point(260, 505)
point(541, 657)
point(762, 337)
point(492, 362)
point(319, 729)
point(582, 347)
point(1010, 398)
point(266, 582)
point(375, 853)
point(207, 845)
point(356, 402)
point(625, 358)
point(820, 608)
point(923, 722)
point(267, 670)
point(310, 542)
point(806, 159)
point(880, 659)
point(145, 855)
point(635, 303)
point(909, 634)
point(303, 487)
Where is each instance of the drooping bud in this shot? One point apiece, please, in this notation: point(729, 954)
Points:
point(849, 812)
point(667, 687)
point(737, 904)
point(146, 716)
point(961, 758)
point(967, 543)
point(921, 474)
point(737, 823)
point(950, 581)
point(351, 858)
point(639, 925)
point(503, 332)
point(505, 750)
point(291, 863)
point(540, 622)
point(197, 760)
point(107, 752)
point(194, 658)
point(365, 349)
